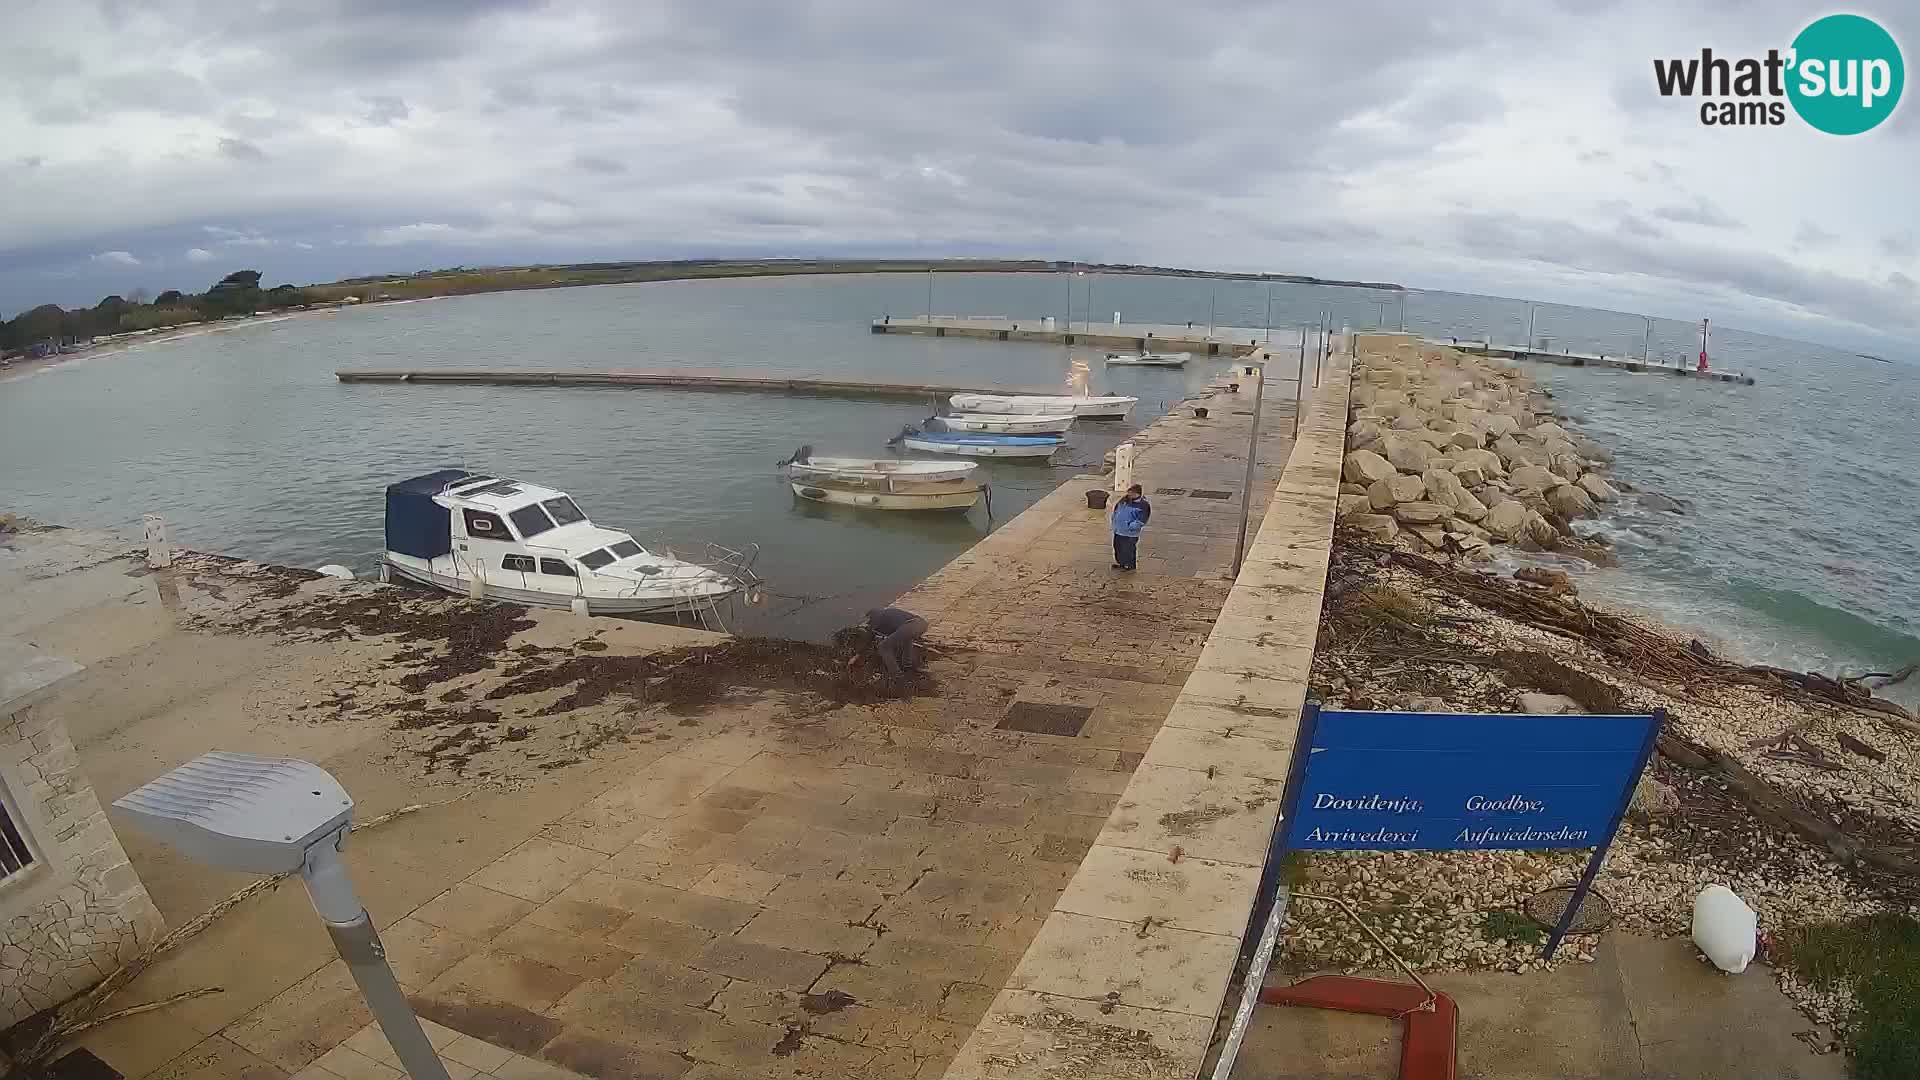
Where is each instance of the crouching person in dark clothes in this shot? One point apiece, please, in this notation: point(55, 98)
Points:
point(897, 631)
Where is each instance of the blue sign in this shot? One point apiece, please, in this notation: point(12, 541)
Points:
point(1454, 781)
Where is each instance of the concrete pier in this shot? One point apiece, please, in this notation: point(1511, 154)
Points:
point(682, 379)
point(1133, 337)
point(1568, 358)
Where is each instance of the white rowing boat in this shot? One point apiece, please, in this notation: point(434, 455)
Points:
point(1112, 407)
point(805, 466)
point(1149, 359)
point(1005, 423)
point(958, 494)
point(968, 444)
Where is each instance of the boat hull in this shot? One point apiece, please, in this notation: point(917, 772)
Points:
point(1008, 424)
point(983, 449)
point(656, 604)
point(1149, 360)
point(954, 498)
point(1087, 408)
point(880, 471)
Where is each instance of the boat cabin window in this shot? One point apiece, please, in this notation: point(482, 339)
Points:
point(594, 560)
point(531, 521)
point(484, 526)
point(555, 566)
point(522, 563)
point(563, 511)
point(625, 549)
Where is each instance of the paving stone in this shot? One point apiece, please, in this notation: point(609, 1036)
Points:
point(498, 976)
point(588, 957)
point(608, 1059)
point(1129, 886)
point(592, 921)
point(418, 951)
point(304, 1021)
point(731, 881)
point(804, 933)
point(537, 869)
point(473, 912)
point(666, 980)
point(644, 935)
point(765, 964)
point(847, 902)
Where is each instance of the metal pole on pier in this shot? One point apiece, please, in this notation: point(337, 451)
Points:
point(1090, 283)
point(1269, 314)
point(1213, 308)
point(1646, 343)
point(1253, 454)
point(1381, 322)
point(1299, 381)
point(929, 294)
point(1403, 312)
point(1529, 327)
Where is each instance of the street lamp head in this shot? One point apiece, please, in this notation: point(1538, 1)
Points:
point(242, 811)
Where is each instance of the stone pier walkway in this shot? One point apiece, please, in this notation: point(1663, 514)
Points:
point(761, 889)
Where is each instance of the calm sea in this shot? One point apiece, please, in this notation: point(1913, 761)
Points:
point(1800, 547)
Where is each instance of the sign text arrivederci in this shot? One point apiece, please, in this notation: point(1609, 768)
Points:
point(1459, 781)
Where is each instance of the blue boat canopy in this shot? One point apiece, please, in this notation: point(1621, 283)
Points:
point(416, 525)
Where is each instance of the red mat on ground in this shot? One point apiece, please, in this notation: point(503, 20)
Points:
point(1428, 1046)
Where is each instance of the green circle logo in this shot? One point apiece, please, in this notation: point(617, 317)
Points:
point(1846, 75)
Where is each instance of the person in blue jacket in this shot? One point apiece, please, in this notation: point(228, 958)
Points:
point(1130, 515)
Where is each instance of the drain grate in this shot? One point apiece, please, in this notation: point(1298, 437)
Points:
point(1036, 718)
point(1205, 493)
point(1169, 491)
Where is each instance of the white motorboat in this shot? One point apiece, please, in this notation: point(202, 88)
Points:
point(973, 444)
point(1149, 359)
point(1112, 407)
point(1004, 423)
point(499, 539)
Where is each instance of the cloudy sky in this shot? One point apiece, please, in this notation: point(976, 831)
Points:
point(1513, 148)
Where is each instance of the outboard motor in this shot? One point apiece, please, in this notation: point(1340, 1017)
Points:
point(800, 456)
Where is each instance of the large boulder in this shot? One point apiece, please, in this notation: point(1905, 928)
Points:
point(1354, 504)
point(1363, 433)
point(1547, 432)
point(1408, 421)
point(1591, 450)
point(1539, 534)
point(1379, 526)
point(1569, 500)
point(1365, 466)
point(1513, 454)
point(1407, 455)
point(1533, 478)
point(1465, 440)
point(1350, 488)
point(1507, 520)
point(1488, 461)
point(1598, 488)
point(1433, 536)
point(1386, 494)
point(1470, 475)
point(1420, 513)
point(1446, 489)
point(1500, 424)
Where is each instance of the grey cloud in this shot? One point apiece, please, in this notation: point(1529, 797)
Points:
point(1594, 157)
point(241, 150)
point(1632, 225)
point(597, 164)
point(1900, 245)
point(1702, 212)
point(383, 110)
point(1900, 281)
point(1813, 236)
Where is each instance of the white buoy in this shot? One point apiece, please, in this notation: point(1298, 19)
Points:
point(334, 569)
point(579, 606)
point(159, 547)
point(386, 573)
point(1725, 928)
point(476, 588)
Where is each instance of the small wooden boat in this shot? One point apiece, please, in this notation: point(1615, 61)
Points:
point(1149, 359)
point(1004, 424)
point(805, 466)
point(968, 444)
point(892, 494)
point(1112, 407)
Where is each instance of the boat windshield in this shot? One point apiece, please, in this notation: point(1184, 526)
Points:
point(563, 511)
point(625, 549)
point(530, 520)
point(594, 560)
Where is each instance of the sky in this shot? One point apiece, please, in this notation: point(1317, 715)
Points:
point(1519, 149)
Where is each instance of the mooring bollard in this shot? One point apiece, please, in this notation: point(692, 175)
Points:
point(159, 548)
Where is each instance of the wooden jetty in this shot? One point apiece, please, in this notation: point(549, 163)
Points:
point(817, 385)
point(1137, 337)
point(1568, 358)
